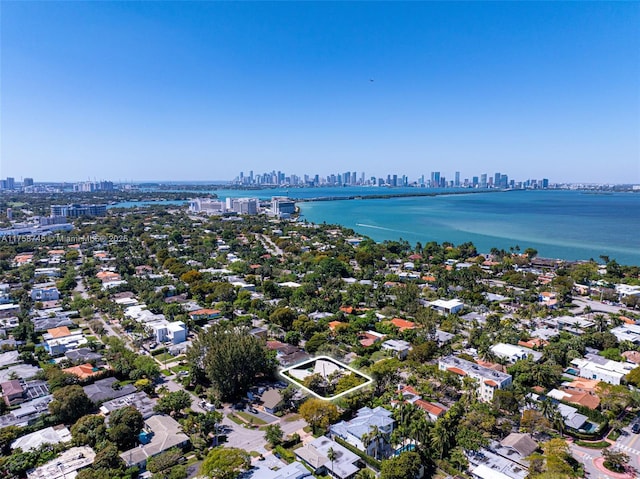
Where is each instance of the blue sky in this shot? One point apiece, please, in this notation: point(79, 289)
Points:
point(201, 91)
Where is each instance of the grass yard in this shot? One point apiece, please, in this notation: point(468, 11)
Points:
point(250, 417)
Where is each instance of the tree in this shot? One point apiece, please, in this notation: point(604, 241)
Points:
point(615, 460)
point(283, 317)
point(230, 358)
point(386, 373)
point(331, 455)
point(273, 434)
point(124, 426)
point(145, 367)
point(164, 461)
point(405, 466)
point(225, 463)
point(88, 430)
point(108, 458)
point(318, 413)
point(70, 403)
point(173, 403)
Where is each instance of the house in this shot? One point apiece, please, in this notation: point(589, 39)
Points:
point(521, 443)
point(442, 337)
point(83, 371)
point(160, 433)
point(403, 324)
point(513, 353)
point(333, 325)
point(9, 310)
point(58, 341)
point(411, 396)
point(139, 400)
point(602, 369)
point(369, 338)
point(65, 465)
point(451, 306)
point(360, 427)
point(104, 390)
point(588, 400)
point(295, 470)
point(627, 332)
point(397, 347)
point(163, 330)
point(314, 454)
point(271, 400)
point(572, 418)
point(488, 380)
point(12, 392)
point(49, 435)
point(204, 314)
point(632, 357)
point(45, 292)
point(82, 355)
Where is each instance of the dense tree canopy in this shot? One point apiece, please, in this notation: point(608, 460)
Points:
point(230, 358)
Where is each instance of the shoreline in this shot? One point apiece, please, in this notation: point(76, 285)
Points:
point(398, 195)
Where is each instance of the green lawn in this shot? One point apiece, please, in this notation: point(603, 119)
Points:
point(249, 417)
point(165, 372)
point(165, 357)
point(236, 419)
point(292, 417)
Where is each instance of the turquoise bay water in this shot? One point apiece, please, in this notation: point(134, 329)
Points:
point(559, 224)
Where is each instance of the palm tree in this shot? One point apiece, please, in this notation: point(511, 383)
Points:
point(331, 455)
point(375, 435)
point(548, 408)
point(601, 321)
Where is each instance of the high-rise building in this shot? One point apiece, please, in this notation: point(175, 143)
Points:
point(483, 180)
point(11, 183)
point(435, 179)
point(545, 182)
point(27, 182)
point(457, 180)
point(475, 181)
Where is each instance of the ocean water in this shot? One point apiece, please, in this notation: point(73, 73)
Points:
point(559, 224)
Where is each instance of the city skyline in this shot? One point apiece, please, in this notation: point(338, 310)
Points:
point(196, 91)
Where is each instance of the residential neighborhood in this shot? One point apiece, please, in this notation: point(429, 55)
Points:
point(220, 341)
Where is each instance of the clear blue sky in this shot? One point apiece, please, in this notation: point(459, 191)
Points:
point(201, 91)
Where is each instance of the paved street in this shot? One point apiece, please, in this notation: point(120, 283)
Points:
point(597, 306)
point(244, 438)
point(593, 468)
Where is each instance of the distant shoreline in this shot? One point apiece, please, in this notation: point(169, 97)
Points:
point(398, 195)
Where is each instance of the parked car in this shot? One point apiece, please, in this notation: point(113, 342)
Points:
point(635, 428)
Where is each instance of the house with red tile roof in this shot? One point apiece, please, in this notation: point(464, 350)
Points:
point(403, 324)
point(83, 371)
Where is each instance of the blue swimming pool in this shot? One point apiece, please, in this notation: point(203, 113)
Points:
point(405, 448)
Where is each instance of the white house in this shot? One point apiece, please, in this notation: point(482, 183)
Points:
point(366, 420)
point(489, 380)
point(451, 306)
point(513, 353)
point(397, 347)
point(608, 371)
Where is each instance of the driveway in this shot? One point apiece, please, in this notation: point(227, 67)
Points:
point(263, 416)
